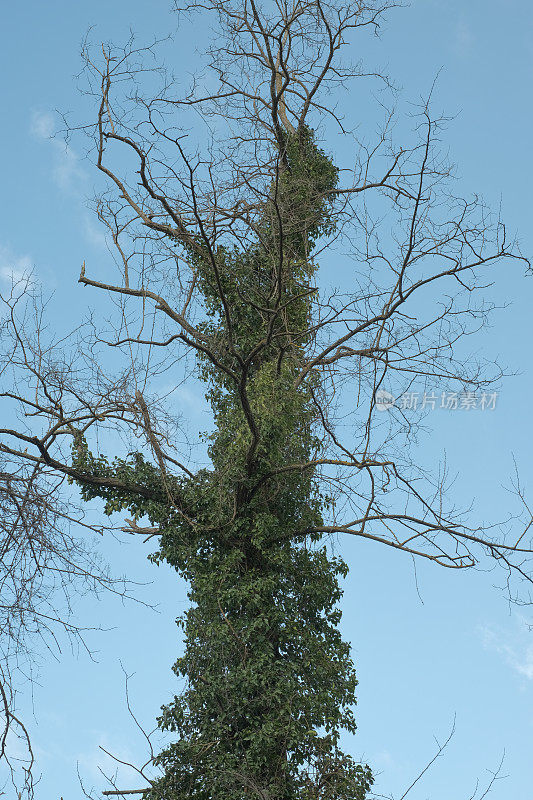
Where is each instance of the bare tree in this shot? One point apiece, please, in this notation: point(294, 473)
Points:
point(47, 544)
point(184, 212)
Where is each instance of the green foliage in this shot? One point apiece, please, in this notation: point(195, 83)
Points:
point(269, 683)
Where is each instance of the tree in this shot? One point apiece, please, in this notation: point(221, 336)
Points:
point(218, 248)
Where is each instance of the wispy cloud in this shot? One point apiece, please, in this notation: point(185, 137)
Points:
point(95, 233)
point(42, 125)
point(383, 760)
point(68, 174)
point(67, 171)
point(14, 268)
point(464, 37)
point(103, 757)
point(525, 665)
point(515, 648)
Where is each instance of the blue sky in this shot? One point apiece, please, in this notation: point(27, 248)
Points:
point(426, 650)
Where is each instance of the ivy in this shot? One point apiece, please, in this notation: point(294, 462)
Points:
point(269, 682)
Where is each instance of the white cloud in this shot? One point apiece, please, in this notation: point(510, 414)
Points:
point(516, 650)
point(95, 760)
point(42, 125)
point(525, 664)
point(95, 233)
point(464, 37)
point(66, 170)
point(383, 760)
point(67, 173)
point(14, 269)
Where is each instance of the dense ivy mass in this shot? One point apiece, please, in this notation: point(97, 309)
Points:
point(269, 682)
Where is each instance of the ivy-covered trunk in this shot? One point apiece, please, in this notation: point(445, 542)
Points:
point(269, 682)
